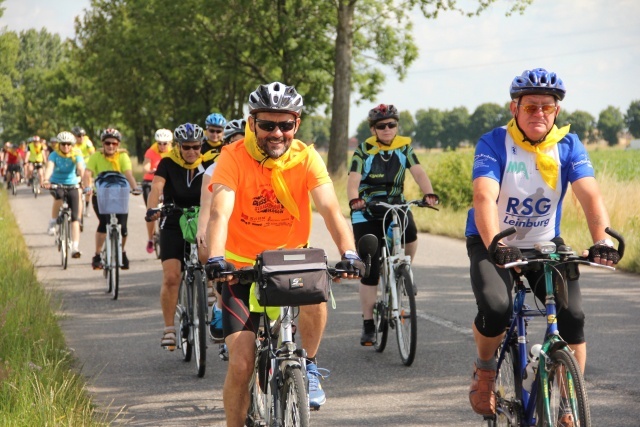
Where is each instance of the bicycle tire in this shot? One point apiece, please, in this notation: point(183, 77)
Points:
point(14, 187)
point(115, 265)
point(182, 336)
point(508, 389)
point(565, 379)
point(64, 240)
point(200, 321)
point(407, 322)
point(34, 187)
point(294, 398)
point(259, 414)
point(381, 315)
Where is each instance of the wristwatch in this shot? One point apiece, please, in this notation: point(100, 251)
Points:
point(604, 242)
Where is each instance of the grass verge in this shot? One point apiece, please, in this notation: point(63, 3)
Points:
point(37, 384)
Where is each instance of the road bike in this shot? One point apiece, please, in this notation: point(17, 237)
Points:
point(395, 304)
point(279, 387)
point(13, 182)
point(63, 224)
point(537, 387)
point(192, 312)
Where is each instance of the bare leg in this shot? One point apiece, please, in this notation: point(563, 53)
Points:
point(100, 238)
point(312, 321)
point(235, 394)
point(368, 296)
point(169, 292)
point(580, 352)
point(486, 346)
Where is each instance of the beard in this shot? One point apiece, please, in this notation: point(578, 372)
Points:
point(276, 152)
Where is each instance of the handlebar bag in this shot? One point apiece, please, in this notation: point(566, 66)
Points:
point(293, 277)
point(189, 223)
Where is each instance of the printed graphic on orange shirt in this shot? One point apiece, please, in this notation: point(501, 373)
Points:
point(267, 202)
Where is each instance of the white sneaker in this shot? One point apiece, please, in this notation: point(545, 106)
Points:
point(52, 227)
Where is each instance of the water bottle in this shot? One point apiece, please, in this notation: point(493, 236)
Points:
point(389, 237)
point(531, 368)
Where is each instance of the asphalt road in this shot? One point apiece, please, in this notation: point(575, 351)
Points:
point(117, 343)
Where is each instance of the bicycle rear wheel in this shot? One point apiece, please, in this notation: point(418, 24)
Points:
point(294, 398)
point(567, 392)
point(183, 321)
point(14, 186)
point(200, 321)
point(115, 264)
point(508, 390)
point(34, 187)
point(407, 324)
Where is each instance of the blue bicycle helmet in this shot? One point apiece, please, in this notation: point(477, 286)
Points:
point(234, 127)
point(215, 119)
point(537, 82)
point(188, 132)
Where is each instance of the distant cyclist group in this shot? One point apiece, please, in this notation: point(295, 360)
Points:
point(251, 184)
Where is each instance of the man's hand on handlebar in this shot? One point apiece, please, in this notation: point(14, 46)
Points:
point(352, 265)
point(505, 254)
point(604, 254)
point(217, 265)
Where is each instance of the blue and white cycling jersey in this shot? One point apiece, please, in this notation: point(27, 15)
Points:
point(64, 171)
point(525, 201)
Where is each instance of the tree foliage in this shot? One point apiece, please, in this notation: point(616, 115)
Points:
point(610, 123)
point(632, 119)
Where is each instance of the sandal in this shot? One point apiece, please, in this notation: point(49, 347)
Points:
point(168, 341)
point(211, 295)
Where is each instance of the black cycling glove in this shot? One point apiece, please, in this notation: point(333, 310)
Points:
point(604, 252)
point(217, 265)
point(506, 254)
point(357, 204)
point(351, 263)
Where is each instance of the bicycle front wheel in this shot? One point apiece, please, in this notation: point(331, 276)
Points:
point(508, 390)
point(406, 324)
point(294, 398)
point(64, 240)
point(200, 321)
point(567, 393)
point(183, 321)
point(260, 399)
point(114, 272)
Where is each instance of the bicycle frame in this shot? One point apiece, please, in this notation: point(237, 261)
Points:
point(113, 228)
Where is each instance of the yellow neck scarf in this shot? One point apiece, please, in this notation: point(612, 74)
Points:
point(114, 160)
point(175, 155)
point(297, 153)
point(214, 144)
point(69, 155)
point(154, 148)
point(397, 142)
point(547, 165)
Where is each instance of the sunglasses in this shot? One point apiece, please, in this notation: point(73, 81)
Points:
point(390, 125)
point(533, 108)
point(191, 147)
point(212, 130)
point(64, 144)
point(269, 126)
point(162, 143)
point(107, 143)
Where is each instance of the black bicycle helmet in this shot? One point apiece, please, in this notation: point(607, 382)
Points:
point(110, 133)
point(382, 112)
point(276, 97)
point(537, 82)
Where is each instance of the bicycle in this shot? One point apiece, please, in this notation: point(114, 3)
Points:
point(278, 388)
point(36, 178)
point(13, 182)
point(113, 200)
point(395, 304)
point(192, 312)
point(63, 224)
point(557, 387)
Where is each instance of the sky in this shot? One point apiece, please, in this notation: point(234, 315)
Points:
point(592, 45)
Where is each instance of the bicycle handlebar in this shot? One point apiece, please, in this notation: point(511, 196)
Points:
point(417, 202)
point(534, 256)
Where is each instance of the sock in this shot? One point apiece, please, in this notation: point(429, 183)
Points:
point(74, 246)
point(490, 365)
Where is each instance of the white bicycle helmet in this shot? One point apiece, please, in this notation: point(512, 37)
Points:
point(234, 127)
point(275, 97)
point(188, 132)
point(163, 135)
point(66, 137)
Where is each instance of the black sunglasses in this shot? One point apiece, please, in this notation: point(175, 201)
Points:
point(65, 143)
point(191, 147)
point(110, 143)
point(212, 130)
point(269, 126)
point(390, 125)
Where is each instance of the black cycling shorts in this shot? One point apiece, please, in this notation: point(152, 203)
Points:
point(235, 310)
point(375, 227)
point(73, 199)
point(172, 245)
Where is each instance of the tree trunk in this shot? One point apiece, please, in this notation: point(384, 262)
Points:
point(339, 140)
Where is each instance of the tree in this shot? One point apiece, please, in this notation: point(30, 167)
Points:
point(582, 124)
point(486, 117)
point(455, 127)
point(364, 131)
point(632, 119)
point(315, 130)
point(382, 32)
point(406, 124)
point(610, 123)
point(429, 127)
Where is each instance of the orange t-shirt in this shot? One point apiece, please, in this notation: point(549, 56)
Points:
point(259, 221)
point(155, 158)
